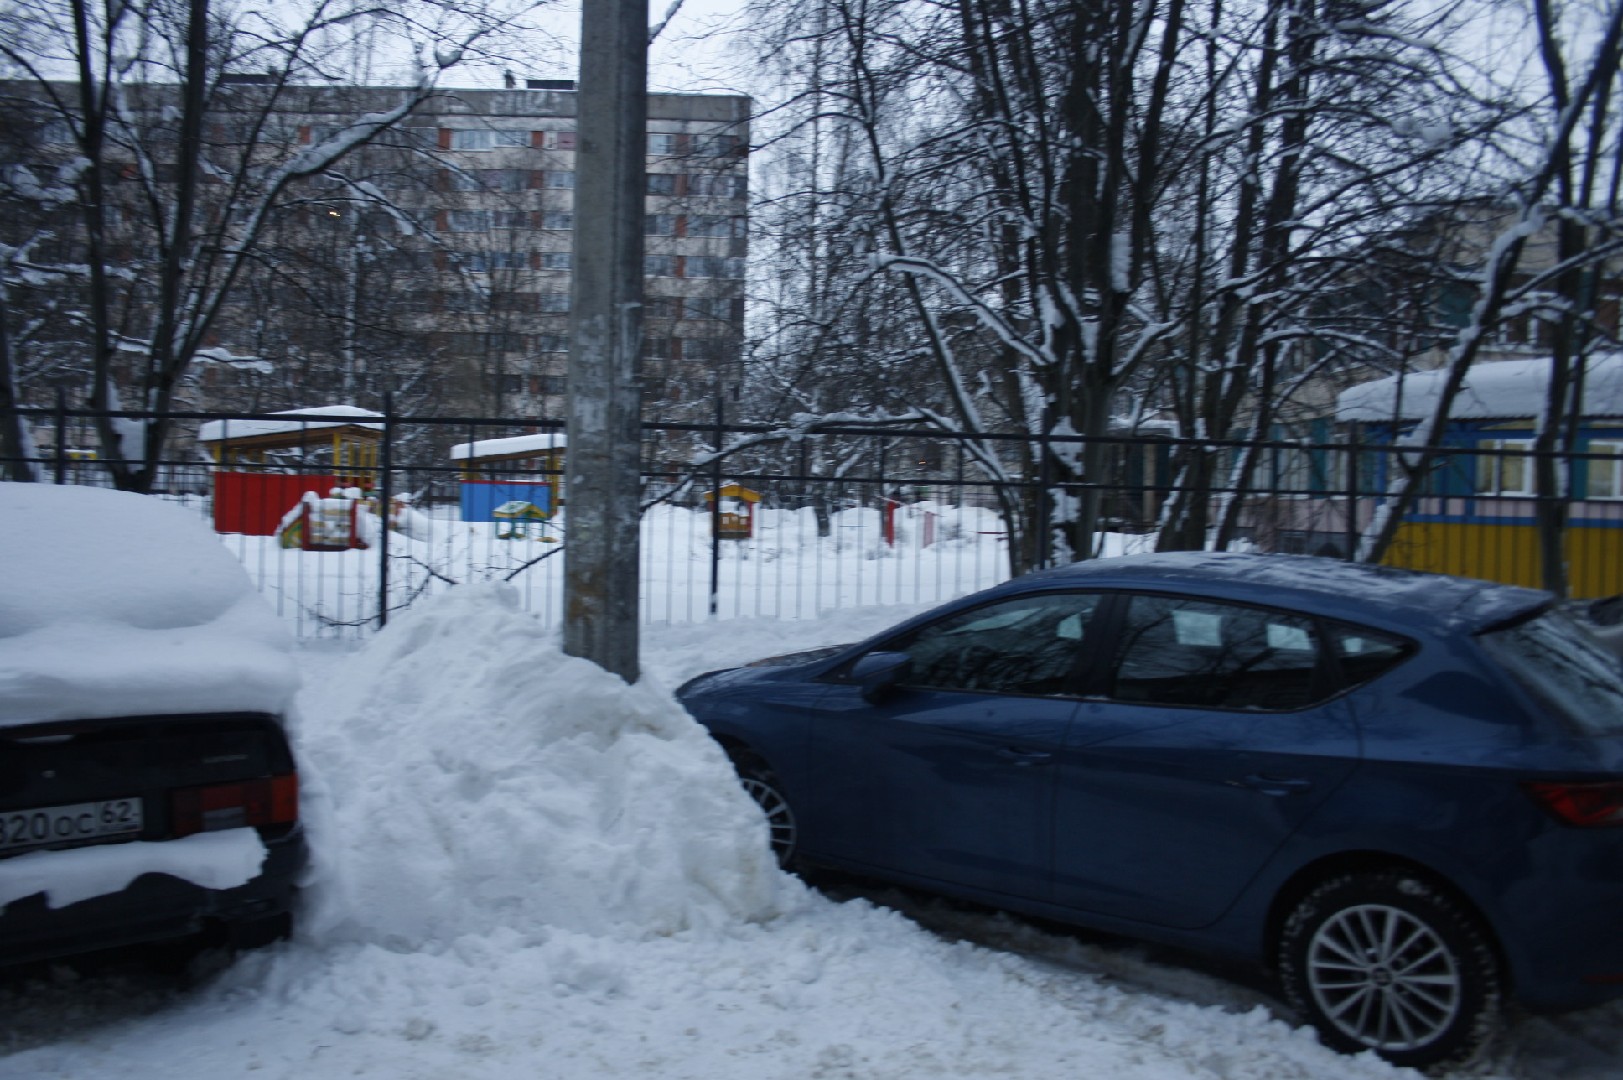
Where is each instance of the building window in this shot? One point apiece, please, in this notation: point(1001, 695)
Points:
point(659, 265)
point(509, 180)
point(484, 261)
point(661, 184)
point(552, 385)
point(658, 348)
point(720, 308)
point(501, 300)
point(510, 219)
point(554, 303)
point(710, 266)
point(1606, 477)
point(659, 225)
point(459, 180)
point(556, 260)
point(701, 349)
point(562, 220)
point(662, 307)
point(414, 260)
point(552, 343)
point(558, 140)
point(561, 180)
point(1506, 469)
point(716, 145)
point(56, 132)
point(487, 139)
point(468, 220)
point(717, 185)
point(506, 342)
point(706, 225)
point(661, 145)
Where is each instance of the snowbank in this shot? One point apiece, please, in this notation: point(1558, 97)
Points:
point(493, 782)
point(118, 604)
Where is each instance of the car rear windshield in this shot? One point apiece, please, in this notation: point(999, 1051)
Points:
point(1563, 664)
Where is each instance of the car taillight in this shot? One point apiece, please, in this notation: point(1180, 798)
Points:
point(1587, 805)
point(269, 801)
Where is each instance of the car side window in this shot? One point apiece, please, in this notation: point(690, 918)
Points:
point(1176, 651)
point(1364, 654)
point(1026, 645)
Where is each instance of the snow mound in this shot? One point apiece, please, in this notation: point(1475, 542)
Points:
point(491, 782)
point(118, 604)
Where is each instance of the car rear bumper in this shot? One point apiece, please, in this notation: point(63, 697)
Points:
point(153, 907)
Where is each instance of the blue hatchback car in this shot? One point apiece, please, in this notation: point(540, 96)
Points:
point(1402, 792)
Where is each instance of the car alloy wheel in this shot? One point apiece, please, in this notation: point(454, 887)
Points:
point(762, 786)
point(1386, 962)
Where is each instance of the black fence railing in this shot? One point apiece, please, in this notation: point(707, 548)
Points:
point(343, 516)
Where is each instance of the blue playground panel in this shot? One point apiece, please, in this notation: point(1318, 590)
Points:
point(481, 497)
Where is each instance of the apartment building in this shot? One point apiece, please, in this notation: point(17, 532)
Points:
point(501, 246)
point(433, 262)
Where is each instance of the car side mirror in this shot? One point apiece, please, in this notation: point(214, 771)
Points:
point(878, 672)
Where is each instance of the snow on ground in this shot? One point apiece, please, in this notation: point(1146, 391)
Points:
point(527, 869)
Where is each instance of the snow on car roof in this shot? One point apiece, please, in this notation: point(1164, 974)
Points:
point(1355, 591)
point(122, 605)
point(1493, 390)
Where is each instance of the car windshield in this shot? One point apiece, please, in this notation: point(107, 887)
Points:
point(1565, 666)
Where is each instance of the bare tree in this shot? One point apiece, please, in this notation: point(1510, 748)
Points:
point(1067, 215)
point(176, 126)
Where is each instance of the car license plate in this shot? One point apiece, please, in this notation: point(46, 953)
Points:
point(78, 822)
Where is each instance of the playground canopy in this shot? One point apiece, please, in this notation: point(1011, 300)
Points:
point(353, 439)
point(547, 444)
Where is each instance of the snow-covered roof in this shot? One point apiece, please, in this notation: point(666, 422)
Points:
point(1493, 390)
point(514, 446)
point(124, 605)
point(215, 430)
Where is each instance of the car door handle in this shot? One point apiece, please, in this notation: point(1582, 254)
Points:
point(1275, 785)
point(1023, 758)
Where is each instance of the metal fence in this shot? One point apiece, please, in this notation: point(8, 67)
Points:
point(342, 518)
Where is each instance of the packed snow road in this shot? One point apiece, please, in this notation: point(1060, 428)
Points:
point(527, 869)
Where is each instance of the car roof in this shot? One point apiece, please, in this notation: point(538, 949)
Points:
point(1356, 592)
point(119, 604)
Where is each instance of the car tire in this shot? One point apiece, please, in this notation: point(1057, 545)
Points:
point(762, 786)
point(1388, 962)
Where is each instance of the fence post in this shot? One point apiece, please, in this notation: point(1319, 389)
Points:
point(385, 505)
point(1353, 531)
point(715, 506)
point(61, 435)
point(1043, 549)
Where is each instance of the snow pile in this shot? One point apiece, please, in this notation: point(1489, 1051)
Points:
point(118, 604)
point(492, 782)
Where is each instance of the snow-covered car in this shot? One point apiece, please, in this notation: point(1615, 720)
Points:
point(1401, 792)
point(147, 788)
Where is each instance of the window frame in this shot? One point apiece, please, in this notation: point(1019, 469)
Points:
point(1614, 467)
point(1079, 680)
point(1488, 478)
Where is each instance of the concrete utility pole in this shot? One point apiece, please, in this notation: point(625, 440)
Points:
point(605, 339)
